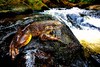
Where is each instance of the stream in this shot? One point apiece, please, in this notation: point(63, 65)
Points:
point(80, 36)
point(85, 24)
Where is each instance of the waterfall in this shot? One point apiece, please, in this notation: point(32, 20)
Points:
point(85, 24)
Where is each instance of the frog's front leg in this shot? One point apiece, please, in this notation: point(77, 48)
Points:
point(45, 37)
point(21, 39)
point(46, 34)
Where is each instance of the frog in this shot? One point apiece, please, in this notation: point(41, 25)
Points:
point(40, 29)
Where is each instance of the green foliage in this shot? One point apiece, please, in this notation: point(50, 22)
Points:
point(72, 1)
point(2, 1)
point(33, 4)
point(39, 4)
point(58, 1)
point(87, 1)
point(36, 4)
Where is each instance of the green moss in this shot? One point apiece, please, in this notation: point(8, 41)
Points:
point(36, 4)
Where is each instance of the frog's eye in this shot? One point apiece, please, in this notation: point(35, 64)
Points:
point(37, 33)
point(47, 27)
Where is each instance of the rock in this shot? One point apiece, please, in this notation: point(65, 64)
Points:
point(94, 7)
point(52, 53)
point(43, 53)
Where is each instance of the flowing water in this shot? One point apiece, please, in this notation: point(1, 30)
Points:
point(85, 24)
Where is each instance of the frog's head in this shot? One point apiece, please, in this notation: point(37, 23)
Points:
point(54, 25)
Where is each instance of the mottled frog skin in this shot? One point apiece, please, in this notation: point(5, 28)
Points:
point(40, 29)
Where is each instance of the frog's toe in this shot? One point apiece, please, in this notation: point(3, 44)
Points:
point(13, 54)
point(13, 51)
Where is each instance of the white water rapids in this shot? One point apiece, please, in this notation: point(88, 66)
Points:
point(85, 24)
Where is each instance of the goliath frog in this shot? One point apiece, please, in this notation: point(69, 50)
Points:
point(41, 29)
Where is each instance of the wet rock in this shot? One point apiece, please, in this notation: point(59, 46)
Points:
point(53, 53)
point(67, 52)
point(42, 53)
point(85, 22)
point(95, 59)
point(94, 7)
